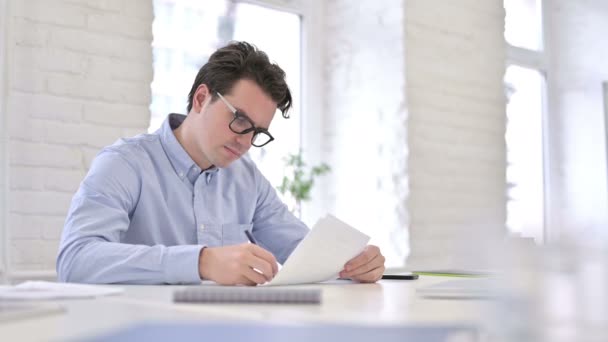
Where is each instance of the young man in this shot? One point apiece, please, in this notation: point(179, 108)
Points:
point(173, 206)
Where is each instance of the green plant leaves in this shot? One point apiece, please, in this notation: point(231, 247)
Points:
point(299, 179)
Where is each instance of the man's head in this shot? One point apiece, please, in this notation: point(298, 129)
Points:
point(241, 60)
point(237, 77)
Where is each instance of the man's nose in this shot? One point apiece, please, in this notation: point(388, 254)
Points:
point(245, 140)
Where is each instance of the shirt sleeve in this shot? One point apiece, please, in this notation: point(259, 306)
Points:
point(90, 250)
point(274, 226)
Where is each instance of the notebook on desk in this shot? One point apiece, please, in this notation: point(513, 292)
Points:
point(247, 295)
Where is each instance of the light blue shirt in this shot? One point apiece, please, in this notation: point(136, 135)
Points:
point(144, 212)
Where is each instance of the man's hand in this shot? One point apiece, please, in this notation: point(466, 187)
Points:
point(366, 267)
point(234, 265)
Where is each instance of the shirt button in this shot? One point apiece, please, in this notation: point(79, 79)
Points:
point(181, 174)
point(202, 227)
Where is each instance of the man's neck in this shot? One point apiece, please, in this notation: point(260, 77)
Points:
point(184, 137)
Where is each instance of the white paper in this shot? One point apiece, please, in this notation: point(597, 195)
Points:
point(39, 290)
point(322, 254)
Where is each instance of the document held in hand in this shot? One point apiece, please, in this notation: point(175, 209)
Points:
point(322, 254)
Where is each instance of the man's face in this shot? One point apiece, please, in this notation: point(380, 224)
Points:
point(218, 144)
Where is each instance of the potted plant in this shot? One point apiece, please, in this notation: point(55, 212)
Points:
point(299, 179)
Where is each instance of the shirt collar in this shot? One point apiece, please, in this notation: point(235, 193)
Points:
point(179, 158)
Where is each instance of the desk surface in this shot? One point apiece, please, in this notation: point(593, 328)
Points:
point(389, 302)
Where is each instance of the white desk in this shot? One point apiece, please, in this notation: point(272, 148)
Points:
point(389, 302)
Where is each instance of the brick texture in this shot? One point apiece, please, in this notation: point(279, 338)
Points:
point(455, 63)
point(80, 74)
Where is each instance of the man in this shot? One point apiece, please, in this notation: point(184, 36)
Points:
point(173, 206)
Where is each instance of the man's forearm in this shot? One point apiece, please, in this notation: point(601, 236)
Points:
point(100, 262)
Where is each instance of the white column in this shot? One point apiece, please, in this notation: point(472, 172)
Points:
point(455, 63)
point(3, 154)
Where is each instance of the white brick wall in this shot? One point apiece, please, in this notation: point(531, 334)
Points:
point(579, 65)
point(455, 62)
point(80, 74)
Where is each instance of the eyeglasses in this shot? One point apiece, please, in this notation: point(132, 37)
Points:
point(242, 124)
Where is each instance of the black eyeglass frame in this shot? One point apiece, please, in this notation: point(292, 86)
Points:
point(240, 115)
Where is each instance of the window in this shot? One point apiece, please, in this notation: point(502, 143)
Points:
point(185, 35)
point(279, 36)
point(523, 23)
point(526, 90)
point(525, 208)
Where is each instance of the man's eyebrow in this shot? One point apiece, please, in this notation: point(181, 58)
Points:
point(244, 113)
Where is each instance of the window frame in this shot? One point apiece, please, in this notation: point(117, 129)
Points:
point(311, 16)
point(540, 60)
point(311, 81)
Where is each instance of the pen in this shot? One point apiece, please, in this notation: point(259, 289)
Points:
point(252, 240)
point(250, 237)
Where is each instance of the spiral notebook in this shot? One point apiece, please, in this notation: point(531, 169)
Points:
point(253, 295)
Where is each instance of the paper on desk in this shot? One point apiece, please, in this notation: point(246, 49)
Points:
point(39, 290)
point(322, 253)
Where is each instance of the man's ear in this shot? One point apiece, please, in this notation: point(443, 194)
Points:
point(201, 96)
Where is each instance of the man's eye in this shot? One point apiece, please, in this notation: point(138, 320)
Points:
point(241, 121)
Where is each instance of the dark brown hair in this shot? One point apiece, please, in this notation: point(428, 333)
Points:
point(241, 60)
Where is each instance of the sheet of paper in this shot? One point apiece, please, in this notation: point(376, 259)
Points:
point(39, 290)
point(322, 253)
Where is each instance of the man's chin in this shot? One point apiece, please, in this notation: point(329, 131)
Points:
point(223, 165)
point(224, 162)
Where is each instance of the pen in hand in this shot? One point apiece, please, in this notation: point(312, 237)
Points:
point(253, 241)
point(250, 237)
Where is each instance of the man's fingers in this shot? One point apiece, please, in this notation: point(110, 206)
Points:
point(262, 266)
point(242, 280)
point(371, 276)
point(376, 262)
point(367, 267)
point(275, 268)
point(368, 254)
point(253, 276)
point(267, 256)
point(233, 265)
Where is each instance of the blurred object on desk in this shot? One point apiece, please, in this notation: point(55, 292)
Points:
point(556, 292)
point(45, 290)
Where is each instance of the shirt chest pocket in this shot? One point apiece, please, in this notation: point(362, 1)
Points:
point(233, 233)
